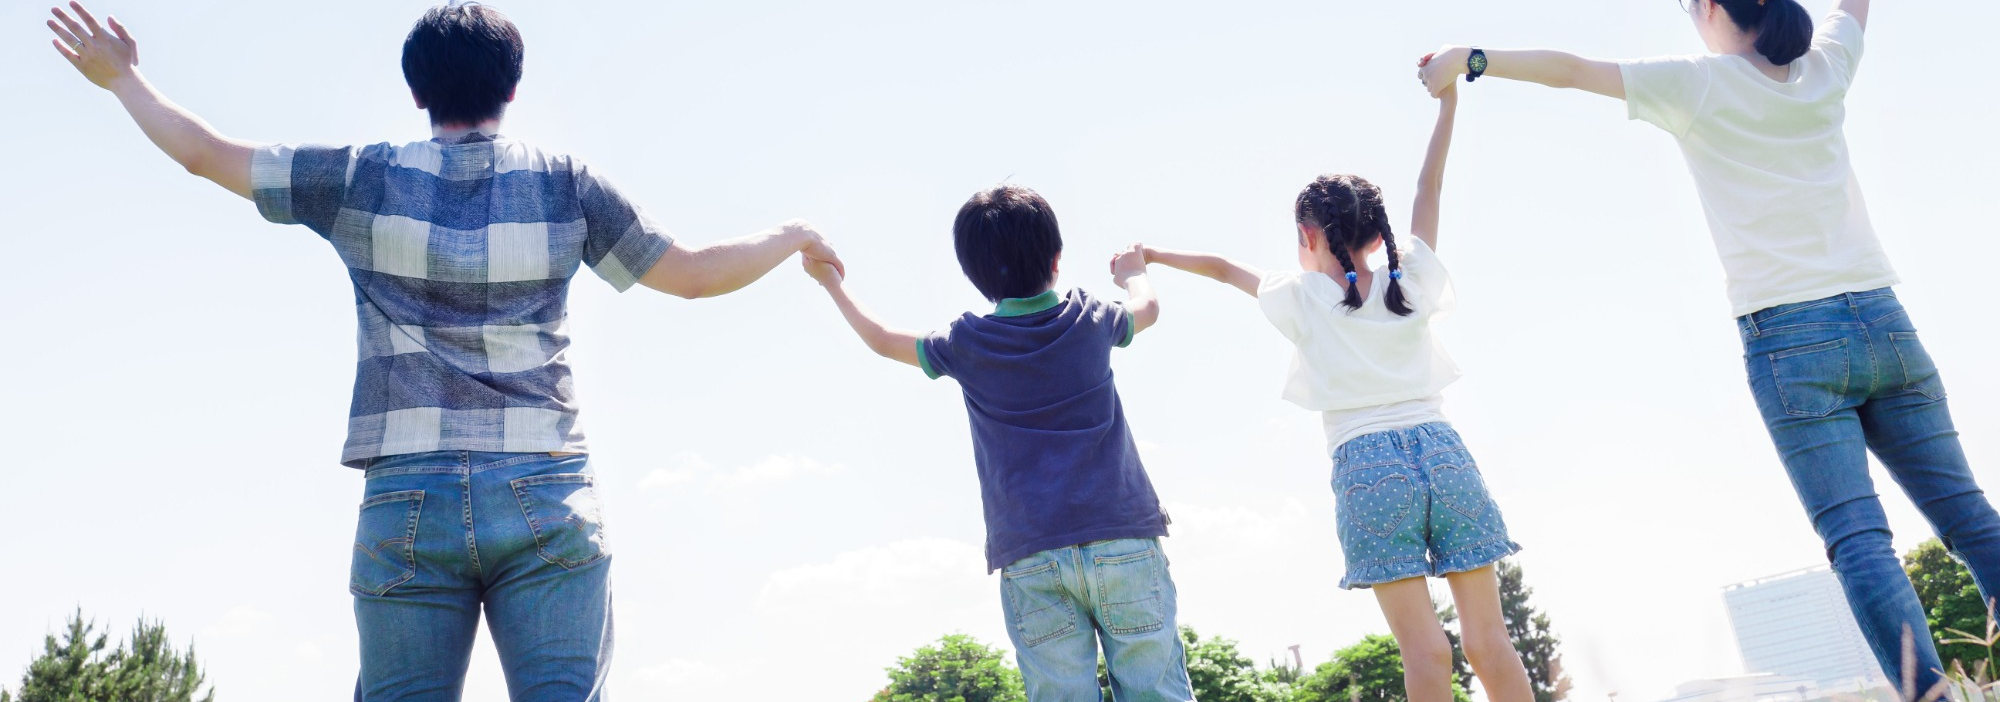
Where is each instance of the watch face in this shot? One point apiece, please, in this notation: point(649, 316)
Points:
point(1477, 63)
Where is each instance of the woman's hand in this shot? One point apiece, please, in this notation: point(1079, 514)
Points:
point(103, 57)
point(1439, 70)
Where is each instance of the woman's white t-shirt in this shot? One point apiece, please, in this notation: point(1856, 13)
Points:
point(1367, 369)
point(1771, 164)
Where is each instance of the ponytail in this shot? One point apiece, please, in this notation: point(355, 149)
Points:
point(1348, 212)
point(1784, 27)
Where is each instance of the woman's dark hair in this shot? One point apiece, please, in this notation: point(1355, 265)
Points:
point(1784, 28)
point(1007, 241)
point(462, 61)
point(1348, 211)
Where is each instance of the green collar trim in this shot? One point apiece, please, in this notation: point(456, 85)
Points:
point(1021, 306)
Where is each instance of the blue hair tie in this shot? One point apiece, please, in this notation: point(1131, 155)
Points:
point(1353, 276)
point(1396, 274)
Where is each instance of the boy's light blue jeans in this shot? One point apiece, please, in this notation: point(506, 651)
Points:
point(1837, 378)
point(1060, 603)
point(443, 535)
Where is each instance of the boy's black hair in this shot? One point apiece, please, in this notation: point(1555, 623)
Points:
point(1007, 241)
point(462, 61)
point(1348, 211)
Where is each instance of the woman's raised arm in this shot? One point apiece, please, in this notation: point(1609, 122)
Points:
point(1551, 68)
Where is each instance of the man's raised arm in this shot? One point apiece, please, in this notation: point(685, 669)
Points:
point(110, 59)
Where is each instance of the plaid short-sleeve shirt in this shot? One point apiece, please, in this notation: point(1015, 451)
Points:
point(461, 256)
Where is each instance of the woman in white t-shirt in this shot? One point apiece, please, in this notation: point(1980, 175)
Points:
point(1833, 359)
point(1409, 496)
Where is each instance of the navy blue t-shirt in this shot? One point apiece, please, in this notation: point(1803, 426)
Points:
point(1057, 466)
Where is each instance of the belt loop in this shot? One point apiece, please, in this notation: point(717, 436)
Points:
point(1750, 320)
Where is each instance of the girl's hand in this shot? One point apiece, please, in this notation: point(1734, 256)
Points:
point(1128, 264)
point(103, 57)
point(821, 271)
point(1439, 70)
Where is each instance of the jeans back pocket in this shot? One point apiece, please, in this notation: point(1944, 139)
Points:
point(1037, 606)
point(562, 512)
point(1812, 381)
point(1377, 499)
point(385, 553)
point(1920, 373)
point(1128, 592)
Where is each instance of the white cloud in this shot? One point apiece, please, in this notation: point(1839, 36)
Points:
point(905, 575)
point(679, 675)
point(688, 468)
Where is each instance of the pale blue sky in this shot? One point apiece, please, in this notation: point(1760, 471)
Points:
point(791, 513)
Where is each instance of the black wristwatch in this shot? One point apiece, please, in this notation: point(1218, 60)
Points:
point(1475, 65)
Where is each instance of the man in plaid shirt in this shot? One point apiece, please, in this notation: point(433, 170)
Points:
point(461, 250)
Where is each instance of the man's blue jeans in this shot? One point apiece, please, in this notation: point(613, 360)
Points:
point(444, 534)
point(1835, 379)
point(1061, 602)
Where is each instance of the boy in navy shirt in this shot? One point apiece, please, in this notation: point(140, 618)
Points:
point(1072, 522)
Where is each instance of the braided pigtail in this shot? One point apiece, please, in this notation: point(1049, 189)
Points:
point(1378, 215)
point(1320, 206)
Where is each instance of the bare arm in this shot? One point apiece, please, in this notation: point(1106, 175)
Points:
point(1237, 275)
point(110, 59)
point(892, 344)
point(724, 267)
point(1551, 68)
point(1858, 8)
point(1128, 270)
point(1430, 184)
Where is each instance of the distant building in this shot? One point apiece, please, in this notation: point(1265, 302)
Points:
point(1797, 625)
point(1761, 687)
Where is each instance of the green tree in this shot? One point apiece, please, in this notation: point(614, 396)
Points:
point(1220, 672)
point(1368, 671)
point(957, 669)
point(1460, 667)
point(1533, 638)
point(147, 668)
point(1951, 601)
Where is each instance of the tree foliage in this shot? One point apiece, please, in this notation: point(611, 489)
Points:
point(1533, 638)
point(1368, 671)
point(145, 668)
point(1220, 672)
point(958, 668)
point(1951, 601)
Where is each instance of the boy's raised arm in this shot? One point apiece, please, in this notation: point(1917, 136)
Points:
point(1551, 68)
point(1241, 276)
point(1128, 270)
point(110, 59)
point(892, 344)
point(1430, 184)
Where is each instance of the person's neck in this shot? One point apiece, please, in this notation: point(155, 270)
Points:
point(1745, 45)
point(449, 133)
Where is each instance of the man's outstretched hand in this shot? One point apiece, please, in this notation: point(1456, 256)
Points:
point(102, 56)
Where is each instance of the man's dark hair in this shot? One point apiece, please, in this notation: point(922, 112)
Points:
point(462, 61)
point(1007, 241)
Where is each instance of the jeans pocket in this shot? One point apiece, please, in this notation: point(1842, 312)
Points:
point(1811, 380)
point(1377, 499)
point(1037, 606)
point(1456, 482)
point(562, 512)
point(1128, 592)
point(385, 552)
point(1920, 373)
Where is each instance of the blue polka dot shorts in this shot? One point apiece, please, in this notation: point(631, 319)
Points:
point(1411, 504)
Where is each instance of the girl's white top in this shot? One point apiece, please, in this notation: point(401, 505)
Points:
point(1771, 164)
point(1366, 369)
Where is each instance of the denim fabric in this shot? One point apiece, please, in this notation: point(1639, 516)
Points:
point(1835, 379)
point(1060, 603)
point(444, 534)
point(1411, 504)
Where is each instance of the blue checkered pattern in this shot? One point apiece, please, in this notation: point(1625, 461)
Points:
point(461, 256)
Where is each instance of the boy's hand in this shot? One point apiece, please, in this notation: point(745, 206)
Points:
point(822, 272)
point(103, 57)
point(816, 248)
point(1128, 264)
point(1439, 70)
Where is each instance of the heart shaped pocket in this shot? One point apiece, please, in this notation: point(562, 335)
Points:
point(1381, 507)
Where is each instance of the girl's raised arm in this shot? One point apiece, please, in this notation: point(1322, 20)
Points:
point(1858, 8)
point(1551, 68)
point(1430, 183)
point(1238, 275)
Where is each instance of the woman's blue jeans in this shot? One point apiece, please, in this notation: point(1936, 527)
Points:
point(1840, 377)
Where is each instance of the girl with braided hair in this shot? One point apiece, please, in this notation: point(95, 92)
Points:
point(1410, 498)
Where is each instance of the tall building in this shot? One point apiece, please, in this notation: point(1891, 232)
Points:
point(1798, 625)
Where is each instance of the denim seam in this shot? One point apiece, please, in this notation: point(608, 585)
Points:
point(471, 533)
point(1803, 306)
